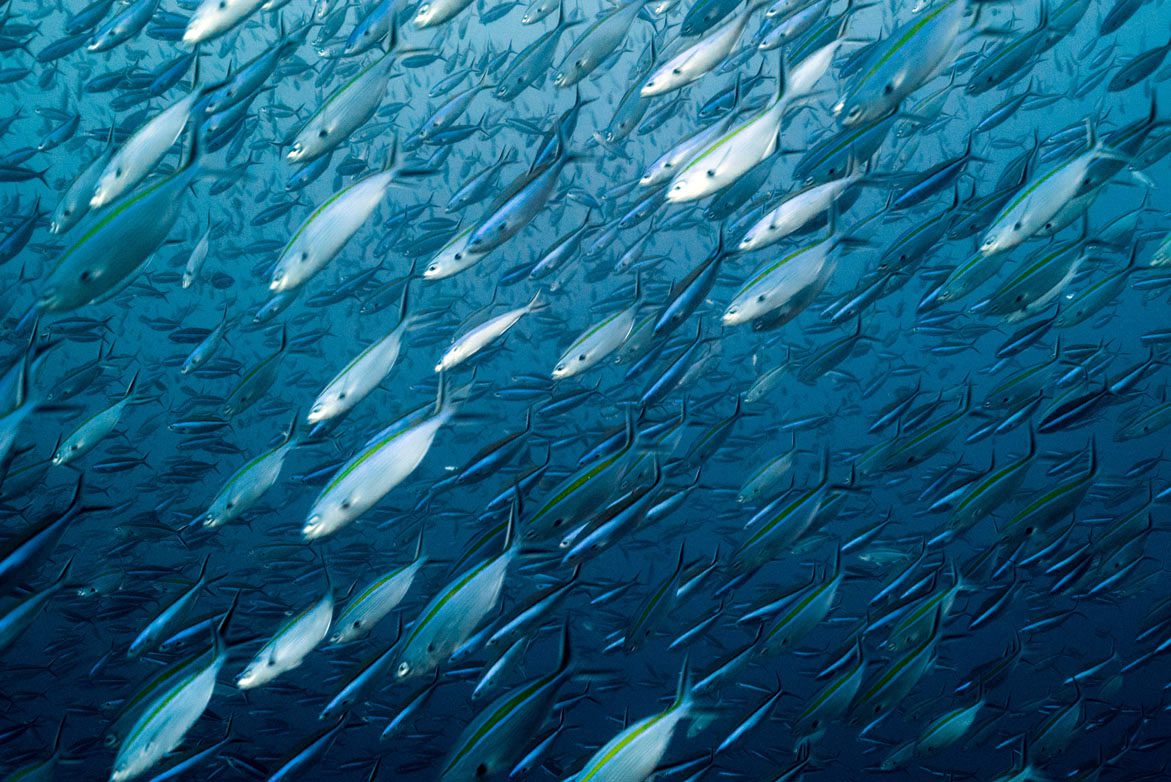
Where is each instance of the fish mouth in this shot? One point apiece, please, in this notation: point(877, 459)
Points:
point(313, 528)
point(49, 301)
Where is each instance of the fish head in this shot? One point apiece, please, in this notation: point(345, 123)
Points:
point(635, 639)
point(993, 242)
point(655, 174)
point(218, 99)
point(223, 510)
point(209, 18)
point(256, 673)
point(327, 517)
point(110, 185)
point(360, 40)
point(336, 707)
point(426, 15)
point(748, 307)
point(314, 140)
point(656, 85)
point(539, 11)
point(689, 185)
point(66, 215)
point(107, 38)
point(284, 276)
point(326, 406)
point(448, 261)
point(61, 295)
point(350, 631)
point(571, 364)
point(570, 73)
point(854, 110)
point(435, 270)
point(70, 451)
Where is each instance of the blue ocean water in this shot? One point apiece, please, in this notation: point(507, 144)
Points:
point(912, 452)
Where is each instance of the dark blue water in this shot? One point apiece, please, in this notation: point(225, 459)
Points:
point(1082, 592)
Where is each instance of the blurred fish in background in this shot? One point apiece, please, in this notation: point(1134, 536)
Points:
point(583, 390)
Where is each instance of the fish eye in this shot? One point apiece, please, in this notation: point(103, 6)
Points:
point(582, 357)
point(118, 172)
point(322, 133)
point(85, 276)
point(345, 504)
point(223, 4)
point(888, 89)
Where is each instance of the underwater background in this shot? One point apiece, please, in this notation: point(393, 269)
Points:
point(864, 495)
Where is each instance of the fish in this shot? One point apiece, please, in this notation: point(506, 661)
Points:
point(181, 699)
point(457, 610)
point(425, 390)
point(387, 459)
point(495, 740)
point(289, 645)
